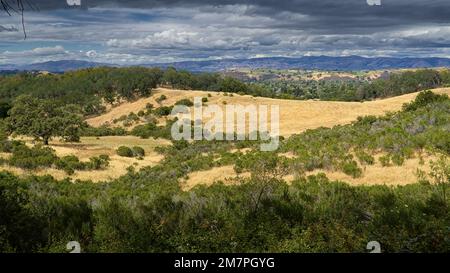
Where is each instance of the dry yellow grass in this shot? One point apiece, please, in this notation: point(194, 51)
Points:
point(90, 147)
point(226, 174)
point(379, 175)
point(126, 108)
point(372, 175)
point(295, 116)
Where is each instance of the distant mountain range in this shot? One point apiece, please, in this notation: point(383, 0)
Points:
point(53, 66)
point(349, 63)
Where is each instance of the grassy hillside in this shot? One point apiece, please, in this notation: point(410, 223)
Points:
point(150, 211)
point(295, 116)
point(90, 147)
point(345, 173)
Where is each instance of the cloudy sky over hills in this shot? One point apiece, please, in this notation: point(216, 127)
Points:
point(148, 31)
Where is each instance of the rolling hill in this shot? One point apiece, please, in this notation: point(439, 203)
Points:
point(295, 116)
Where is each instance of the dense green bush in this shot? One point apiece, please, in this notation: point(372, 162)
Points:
point(146, 212)
point(423, 99)
point(185, 102)
point(98, 162)
point(7, 146)
point(32, 158)
point(161, 98)
point(69, 164)
point(125, 151)
point(163, 111)
point(138, 151)
point(351, 168)
point(103, 131)
point(150, 129)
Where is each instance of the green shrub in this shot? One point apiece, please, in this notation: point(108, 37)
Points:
point(138, 151)
point(144, 131)
point(163, 111)
point(161, 99)
point(351, 168)
point(365, 158)
point(125, 151)
point(32, 158)
point(152, 130)
point(385, 160)
point(7, 146)
point(127, 123)
point(204, 100)
point(133, 117)
point(69, 164)
point(185, 102)
point(122, 118)
point(98, 163)
point(103, 131)
point(398, 159)
point(424, 98)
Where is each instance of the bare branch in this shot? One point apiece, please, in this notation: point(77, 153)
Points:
point(17, 7)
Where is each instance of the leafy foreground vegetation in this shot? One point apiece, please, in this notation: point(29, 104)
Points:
point(147, 211)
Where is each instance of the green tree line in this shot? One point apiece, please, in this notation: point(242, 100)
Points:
point(91, 88)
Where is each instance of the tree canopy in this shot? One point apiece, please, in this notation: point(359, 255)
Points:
point(42, 119)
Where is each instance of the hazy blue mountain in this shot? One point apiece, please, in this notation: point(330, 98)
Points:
point(310, 62)
point(313, 62)
point(53, 66)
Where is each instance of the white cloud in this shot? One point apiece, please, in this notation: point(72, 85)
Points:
point(132, 36)
point(91, 54)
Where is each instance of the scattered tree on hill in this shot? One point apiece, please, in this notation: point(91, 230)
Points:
point(43, 119)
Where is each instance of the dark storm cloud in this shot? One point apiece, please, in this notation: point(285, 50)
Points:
point(8, 29)
point(323, 14)
point(136, 31)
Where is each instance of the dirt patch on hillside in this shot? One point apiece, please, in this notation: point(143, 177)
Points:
point(225, 174)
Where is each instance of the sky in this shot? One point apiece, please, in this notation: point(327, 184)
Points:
point(157, 31)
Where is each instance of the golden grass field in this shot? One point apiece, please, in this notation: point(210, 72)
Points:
point(295, 117)
point(91, 146)
point(372, 174)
